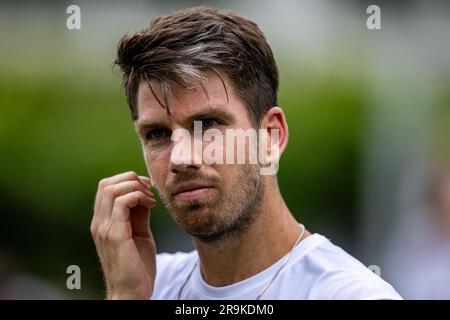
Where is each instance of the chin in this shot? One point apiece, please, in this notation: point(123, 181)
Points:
point(196, 214)
point(199, 220)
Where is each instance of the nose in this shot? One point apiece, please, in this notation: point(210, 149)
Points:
point(180, 167)
point(185, 154)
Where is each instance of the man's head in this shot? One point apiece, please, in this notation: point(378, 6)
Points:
point(200, 64)
point(179, 47)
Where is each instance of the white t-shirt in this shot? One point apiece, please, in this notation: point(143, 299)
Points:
point(317, 269)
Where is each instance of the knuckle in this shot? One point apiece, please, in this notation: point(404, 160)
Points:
point(109, 190)
point(93, 228)
point(103, 183)
point(132, 175)
point(120, 201)
point(138, 195)
point(135, 196)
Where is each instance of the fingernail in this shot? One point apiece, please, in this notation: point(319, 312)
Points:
point(145, 180)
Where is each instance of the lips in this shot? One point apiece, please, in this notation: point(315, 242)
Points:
point(192, 191)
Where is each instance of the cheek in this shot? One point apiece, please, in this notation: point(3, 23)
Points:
point(157, 166)
point(226, 173)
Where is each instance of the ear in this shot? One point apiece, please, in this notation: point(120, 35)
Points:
point(275, 125)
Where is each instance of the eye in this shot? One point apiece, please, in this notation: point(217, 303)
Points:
point(209, 122)
point(157, 134)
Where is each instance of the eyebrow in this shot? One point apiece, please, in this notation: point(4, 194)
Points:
point(209, 111)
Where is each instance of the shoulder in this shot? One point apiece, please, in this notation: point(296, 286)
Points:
point(332, 273)
point(171, 270)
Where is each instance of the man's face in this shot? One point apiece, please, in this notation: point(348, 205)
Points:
point(206, 200)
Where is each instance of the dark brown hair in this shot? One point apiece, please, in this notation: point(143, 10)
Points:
point(180, 47)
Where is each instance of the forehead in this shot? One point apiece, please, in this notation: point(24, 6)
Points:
point(184, 102)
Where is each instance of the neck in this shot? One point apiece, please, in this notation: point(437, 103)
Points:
point(271, 235)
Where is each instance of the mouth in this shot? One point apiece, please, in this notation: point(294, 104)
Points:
point(192, 191)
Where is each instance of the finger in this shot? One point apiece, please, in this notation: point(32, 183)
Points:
point(113, 191)
point(123, 204)
point(129, 175)
point(146, 180)
point(140, 221)
point(103, 183)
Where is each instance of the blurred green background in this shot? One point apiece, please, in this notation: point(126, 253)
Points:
point(64, 125)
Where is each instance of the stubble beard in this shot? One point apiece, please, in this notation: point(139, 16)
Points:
point(226, 212)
